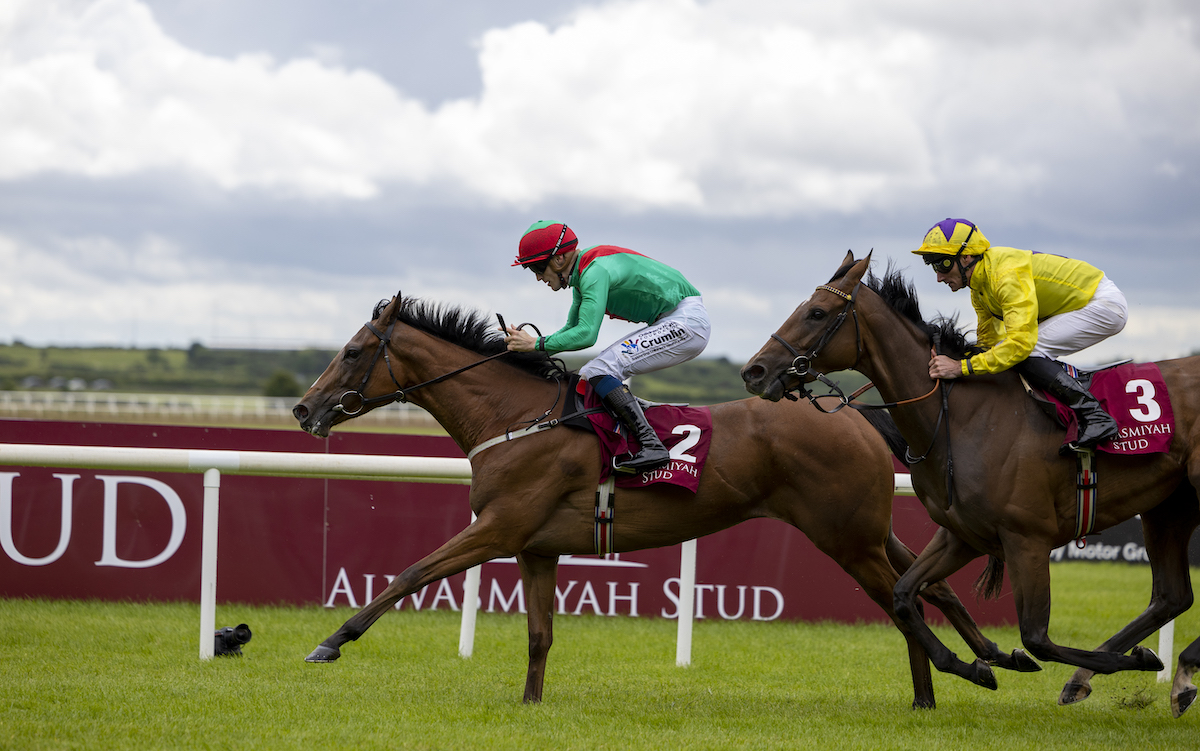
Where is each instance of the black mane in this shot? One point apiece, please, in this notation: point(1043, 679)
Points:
point(471, 330)
point(901, 297)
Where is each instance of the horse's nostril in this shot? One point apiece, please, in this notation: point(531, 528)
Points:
point(752, 373)
point(300, 412)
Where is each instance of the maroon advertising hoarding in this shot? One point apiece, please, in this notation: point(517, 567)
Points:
point(103, 534)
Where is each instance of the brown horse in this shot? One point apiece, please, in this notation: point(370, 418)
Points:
point(535, 496)
point(992, 476)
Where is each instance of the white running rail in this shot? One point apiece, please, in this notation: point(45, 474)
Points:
point(334, 466)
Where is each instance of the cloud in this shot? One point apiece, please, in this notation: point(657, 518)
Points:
point(91, 289)
point(736, 109)
point(273, 196)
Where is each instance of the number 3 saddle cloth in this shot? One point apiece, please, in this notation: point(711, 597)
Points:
point(1136, 397)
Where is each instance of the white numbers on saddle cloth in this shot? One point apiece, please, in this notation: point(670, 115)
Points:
point(1149, 411)
point(691, 436)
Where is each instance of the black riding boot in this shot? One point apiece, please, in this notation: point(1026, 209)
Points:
point(651, 452)
point(1095, 425)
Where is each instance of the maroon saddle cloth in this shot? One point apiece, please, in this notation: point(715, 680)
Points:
point(1136, 397)
point(685, 431)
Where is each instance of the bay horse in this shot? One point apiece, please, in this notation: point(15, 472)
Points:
point(534, 497)
point(991, 474)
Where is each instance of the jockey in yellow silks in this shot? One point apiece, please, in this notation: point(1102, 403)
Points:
point(1032, 308)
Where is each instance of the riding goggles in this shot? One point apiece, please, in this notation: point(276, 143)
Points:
point(941, 264)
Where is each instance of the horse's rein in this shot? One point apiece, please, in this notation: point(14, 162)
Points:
point(401, 393)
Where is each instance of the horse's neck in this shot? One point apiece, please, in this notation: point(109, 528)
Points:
point(896, 359)
point(476, 404)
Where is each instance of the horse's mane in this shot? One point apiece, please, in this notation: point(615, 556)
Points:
point(471, 330)
point(901, 296)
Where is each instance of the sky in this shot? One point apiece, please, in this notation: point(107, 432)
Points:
point(261, 172)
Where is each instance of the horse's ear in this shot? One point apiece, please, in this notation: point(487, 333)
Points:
point(856, 272)
point(387, 308)
point(849, 259)
point(396, 301)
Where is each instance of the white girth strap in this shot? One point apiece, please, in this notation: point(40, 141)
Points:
point(511, 435)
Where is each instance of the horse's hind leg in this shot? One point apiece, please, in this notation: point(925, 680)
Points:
point(877, 577)
point(468, 548)
point(942, 597)
point(1166, 529)
point(538, 575)
point(1183, 691)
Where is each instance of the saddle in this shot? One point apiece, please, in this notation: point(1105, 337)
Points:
point(1135, 394)
point(685, 431)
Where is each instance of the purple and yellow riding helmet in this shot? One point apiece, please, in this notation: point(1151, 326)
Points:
point(950, 239)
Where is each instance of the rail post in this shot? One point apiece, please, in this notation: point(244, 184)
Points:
point(208, 563)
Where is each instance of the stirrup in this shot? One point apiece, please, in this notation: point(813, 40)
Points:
point(618, 466)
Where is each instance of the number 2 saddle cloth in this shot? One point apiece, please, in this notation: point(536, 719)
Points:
point(1136, 397)
point(685, 431)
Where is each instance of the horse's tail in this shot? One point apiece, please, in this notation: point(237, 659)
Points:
point(991, 581)
point(883, 422)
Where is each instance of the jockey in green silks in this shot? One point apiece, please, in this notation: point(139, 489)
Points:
point(623, 284)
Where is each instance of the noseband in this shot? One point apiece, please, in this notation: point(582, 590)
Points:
point(802, 363)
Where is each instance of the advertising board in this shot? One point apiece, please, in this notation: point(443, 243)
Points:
point(74, 533)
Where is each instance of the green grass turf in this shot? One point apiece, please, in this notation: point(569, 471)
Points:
point(94, 675)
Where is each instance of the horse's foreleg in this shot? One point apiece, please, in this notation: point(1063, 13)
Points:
point(538, 575)
point(1166, 530)
point(468, 548)
point(1029, 572)
point(942, 597)
point(944, 555)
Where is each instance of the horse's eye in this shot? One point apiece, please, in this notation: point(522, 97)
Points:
point(352, 354)
point(816, 314)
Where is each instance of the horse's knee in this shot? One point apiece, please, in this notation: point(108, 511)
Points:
point(539, 644)
point(1040, 646)
point(1180, 604)
point(906, 605)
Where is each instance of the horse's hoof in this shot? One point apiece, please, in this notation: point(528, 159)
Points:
point(924, 704)
point(1180, 703)
point(324, 654)
point(1023, 663)
point(1074, 693)
point(982, 675)
point(1146, 659)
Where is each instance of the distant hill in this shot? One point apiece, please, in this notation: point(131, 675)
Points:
point(197, 370)
point(251, 372)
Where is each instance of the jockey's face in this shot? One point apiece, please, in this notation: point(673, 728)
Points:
point(954, 277)
point(554, 273)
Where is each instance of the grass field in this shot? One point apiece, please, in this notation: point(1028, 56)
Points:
point(126, 676)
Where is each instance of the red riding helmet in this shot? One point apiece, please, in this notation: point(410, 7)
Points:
point(544, 240)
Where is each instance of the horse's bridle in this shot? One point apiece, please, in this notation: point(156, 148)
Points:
point(359, 402)
point(801, 367)
point(802, 363)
